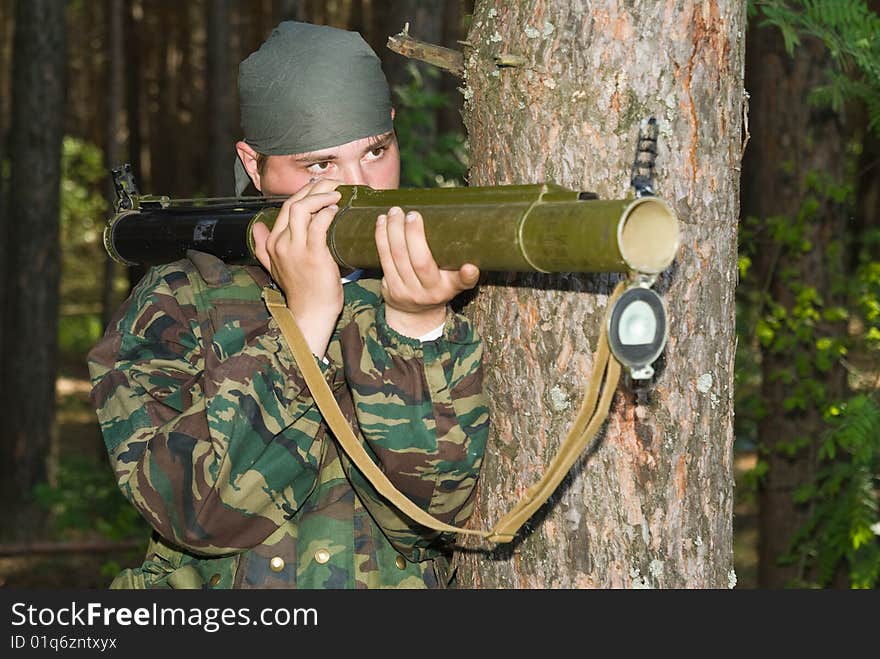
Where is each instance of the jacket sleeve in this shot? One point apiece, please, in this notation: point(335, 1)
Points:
point(215, 445)
point(421, 414)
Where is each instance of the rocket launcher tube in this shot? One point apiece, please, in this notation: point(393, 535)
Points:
point(515, 228)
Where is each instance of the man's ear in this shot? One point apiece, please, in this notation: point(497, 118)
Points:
point(248, 158)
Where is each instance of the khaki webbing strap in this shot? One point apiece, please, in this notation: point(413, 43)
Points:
point(588, 421)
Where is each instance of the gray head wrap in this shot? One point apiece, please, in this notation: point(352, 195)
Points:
point(310, 87)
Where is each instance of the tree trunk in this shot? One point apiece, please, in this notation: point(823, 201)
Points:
point(85, 71)
point(33, 260)
point(790, 140)
point(166, 175)
point(449, 118)
point(111, 141)
point(220, 91)
point(291, 10)
point(651, 504)
point(133, 24)
point(7, 24)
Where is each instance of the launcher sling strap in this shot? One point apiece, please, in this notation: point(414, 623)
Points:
point(590, 417)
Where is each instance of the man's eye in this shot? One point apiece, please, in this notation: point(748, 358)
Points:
point(319, 167)
point(376, 153)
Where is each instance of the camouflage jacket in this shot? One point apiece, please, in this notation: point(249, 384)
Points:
point(216, 440)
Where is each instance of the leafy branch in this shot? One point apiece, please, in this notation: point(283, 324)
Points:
point(850, 30)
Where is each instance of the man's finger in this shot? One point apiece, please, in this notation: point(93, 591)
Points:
point(321, 221)
point(325, 185)
point(282, 219)
point(301, 214)
point(315, 185)
point(399, 252)
point(389, 269)
point(469, 275)
point(423, 264)
point(260, 233)
point(463, 279)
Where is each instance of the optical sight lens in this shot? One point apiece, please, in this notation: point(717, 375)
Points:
point(637, 324)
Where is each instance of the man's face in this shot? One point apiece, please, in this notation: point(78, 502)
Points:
point(372, 161)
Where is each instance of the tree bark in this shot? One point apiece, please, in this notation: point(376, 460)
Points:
point(33, 260)
point(650, 504)
point(790, 139)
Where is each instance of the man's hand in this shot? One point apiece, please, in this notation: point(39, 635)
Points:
point(415, 289)
point(296, 255)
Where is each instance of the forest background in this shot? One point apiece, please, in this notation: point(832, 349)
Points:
point(152, 83)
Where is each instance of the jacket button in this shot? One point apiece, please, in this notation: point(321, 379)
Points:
point(322, 556)
point(214, 580)
point(276, 564)
point(400, 562)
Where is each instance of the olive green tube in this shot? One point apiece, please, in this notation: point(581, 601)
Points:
point(517, 228)
point(511, 228)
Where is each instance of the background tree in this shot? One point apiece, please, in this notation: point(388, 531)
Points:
point(220, 101)
point(651, 505)
point(793, 145)
point(30, 312)
point(112, 151)
point(810, 263)
point(220, 97)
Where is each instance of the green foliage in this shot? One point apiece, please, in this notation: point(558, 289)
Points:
point(751, 480)
point(811, 336)
point(84, 211)
point(843, 524)
point(766, 325)
point(78, 333)
point(83, 207)
point(850, 30)
point(86, 498)
point(440, 160)
point(867, 292)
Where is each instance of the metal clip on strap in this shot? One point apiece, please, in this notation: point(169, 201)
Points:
point(590, 417)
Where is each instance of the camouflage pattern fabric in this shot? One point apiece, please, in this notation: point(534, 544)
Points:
point(215, 438)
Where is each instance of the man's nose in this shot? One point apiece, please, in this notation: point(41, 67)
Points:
point(353, 174)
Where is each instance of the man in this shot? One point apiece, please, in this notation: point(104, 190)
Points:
point(212, 433)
